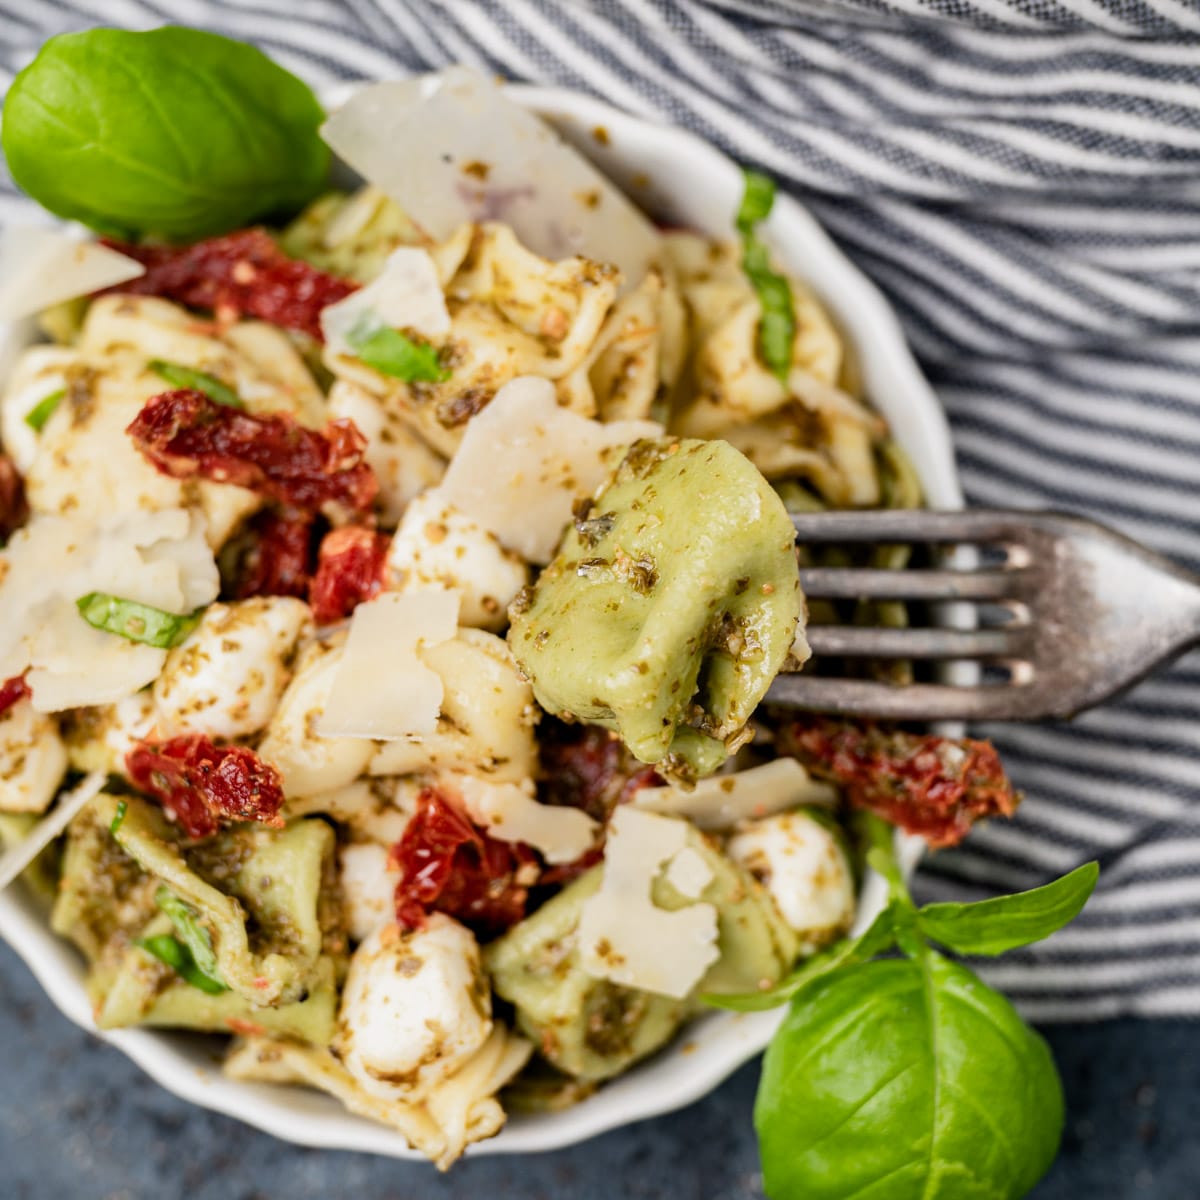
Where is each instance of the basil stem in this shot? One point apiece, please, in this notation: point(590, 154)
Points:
point(777, 326)
point(118, 817)
point(180, 376)
point(172, 952)
point(43, 410)
point(137, 622)
point(391, 352)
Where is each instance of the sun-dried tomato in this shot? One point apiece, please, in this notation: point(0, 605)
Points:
point(185, 433)
point(203, 786)
point(933, 786)
point(238, 274)
point(450, 866)
point(11, 691)
point(584, 766)
point(350, 569)
point(272, 556)
point(14, 509)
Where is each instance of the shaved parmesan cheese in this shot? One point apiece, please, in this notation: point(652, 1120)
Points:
point(450, 148)
point(688, 873)
point(381, 688)
point(510, 813)
point(524, 461)
point(723, 801)
point(406, 295)
point(40, 267)
point(157, 558)
point(623, 935)
point(14, 861)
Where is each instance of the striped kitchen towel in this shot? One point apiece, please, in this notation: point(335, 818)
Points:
point(1022, 177)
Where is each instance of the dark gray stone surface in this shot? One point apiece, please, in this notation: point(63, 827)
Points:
point(80, 1122)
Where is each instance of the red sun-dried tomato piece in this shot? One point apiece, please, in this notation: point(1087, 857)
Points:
point(203, 786)
point(350, 569)
point(237, 274)
point(186, 434)
point(933, 786)
point(272, 556)
point(448, 865)
point(13, 691)
point(14, 509)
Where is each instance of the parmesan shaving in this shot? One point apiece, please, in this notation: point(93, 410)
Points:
point(723, 801)
point(688, 873)
point(450, 148)
point(406, 295)
point(524, 461)
point(381, 689)
point(623, 936)
point(14, 861)
point(40, 267)
point(510, 813)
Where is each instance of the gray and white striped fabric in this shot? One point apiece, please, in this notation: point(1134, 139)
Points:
point(1023, 178)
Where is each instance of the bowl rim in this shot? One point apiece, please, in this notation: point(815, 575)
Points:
point(716, 1044)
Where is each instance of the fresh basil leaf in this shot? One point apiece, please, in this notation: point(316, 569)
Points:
point(171, 951)
point(758, 198)
point(777, 326)
point(43, 410)
point(180, 376)
point(908, 1079)
point(118, 817)
point(137, 622)
point(390, 352)
point(878, 938)
point(1006, 922)
point(172, 131)
point(195, 937)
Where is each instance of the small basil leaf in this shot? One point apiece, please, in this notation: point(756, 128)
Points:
point(906, 1080)
point(118, 817)
point(172, 131)
point(43, 410)
point(195, 937)
point(180, 376)
point(171, 951)
point(137, 622)
point(777, 325)
point(390, 352)
point(1006, 922)
point(878, 938)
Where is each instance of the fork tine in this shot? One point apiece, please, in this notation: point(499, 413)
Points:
point(847, 641)
point(913, 702)
point(872, 583)
point(906, 525)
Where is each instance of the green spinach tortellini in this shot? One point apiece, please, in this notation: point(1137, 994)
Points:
point(592, 1028)
point(670, 606)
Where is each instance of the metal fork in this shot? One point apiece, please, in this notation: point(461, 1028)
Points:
point(1088, 613)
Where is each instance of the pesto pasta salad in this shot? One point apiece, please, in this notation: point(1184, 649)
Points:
point(394, 576)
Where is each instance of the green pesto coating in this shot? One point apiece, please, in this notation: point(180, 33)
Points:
point(670, 606)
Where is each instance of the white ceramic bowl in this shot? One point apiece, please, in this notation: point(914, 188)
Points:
point(683, 181)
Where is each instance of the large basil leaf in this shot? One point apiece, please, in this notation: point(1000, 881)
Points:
point(174, 131)
point(1006, 922)
point(906, 1079)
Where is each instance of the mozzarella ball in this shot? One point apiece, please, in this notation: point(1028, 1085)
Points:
point(402, 462)
point(226, 679)
point(33, 759)
point(308, 762)
point(416, 1006)
point(436, 545)
point(803, 866)
point(368, 888)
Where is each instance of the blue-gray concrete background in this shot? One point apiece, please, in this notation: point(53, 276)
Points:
point(80, 1122)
